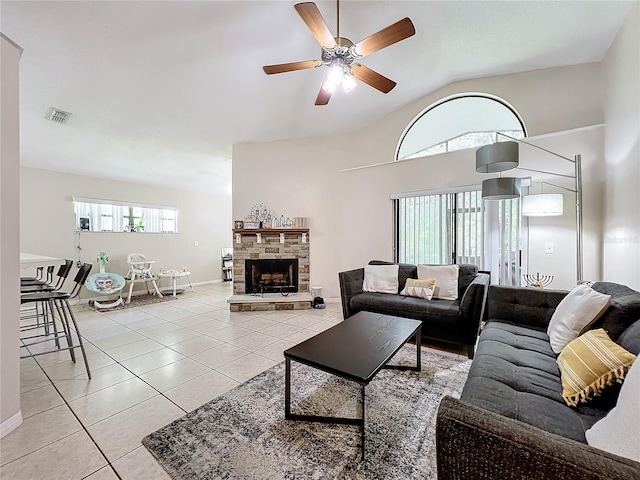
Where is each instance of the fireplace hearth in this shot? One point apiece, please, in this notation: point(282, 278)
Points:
point(271, 276)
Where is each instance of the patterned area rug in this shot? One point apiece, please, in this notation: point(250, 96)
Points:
point(243, 434)
point(136, 301)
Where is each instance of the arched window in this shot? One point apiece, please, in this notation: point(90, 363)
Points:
point(462, 121)
point(457, 226)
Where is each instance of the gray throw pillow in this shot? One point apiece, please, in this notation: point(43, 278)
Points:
point(630, 338)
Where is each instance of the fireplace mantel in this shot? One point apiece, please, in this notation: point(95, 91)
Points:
point(253, 231)
point(238, 233)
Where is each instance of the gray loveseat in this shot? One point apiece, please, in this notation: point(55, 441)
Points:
point(454, 321)
point(511, 421)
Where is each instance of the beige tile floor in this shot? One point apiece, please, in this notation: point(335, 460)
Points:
point(150, 365)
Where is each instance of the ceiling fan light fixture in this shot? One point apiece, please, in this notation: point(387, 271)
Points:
point(329, 87)
point(336, 72)
point(348, 83)
point(339, 75)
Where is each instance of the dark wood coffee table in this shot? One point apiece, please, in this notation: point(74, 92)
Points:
point(355, 349)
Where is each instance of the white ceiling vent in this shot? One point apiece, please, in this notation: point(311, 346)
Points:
point(56, 115)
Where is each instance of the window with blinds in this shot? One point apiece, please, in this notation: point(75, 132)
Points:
point(424, 229)
point(97, 215)
point(459, 227)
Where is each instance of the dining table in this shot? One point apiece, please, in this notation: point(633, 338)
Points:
point(32, 260)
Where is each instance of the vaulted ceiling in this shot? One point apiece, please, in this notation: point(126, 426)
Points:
point(160, 91)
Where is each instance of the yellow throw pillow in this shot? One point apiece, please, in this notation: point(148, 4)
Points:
point(419, 288)
point(589, 364)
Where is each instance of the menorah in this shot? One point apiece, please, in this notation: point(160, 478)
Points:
point(537, 281)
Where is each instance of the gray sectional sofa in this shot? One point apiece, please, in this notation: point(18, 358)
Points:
point(511, 421)
point(454, 321)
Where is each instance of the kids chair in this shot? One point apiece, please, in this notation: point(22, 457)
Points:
point(140, 271)
point(105, 285)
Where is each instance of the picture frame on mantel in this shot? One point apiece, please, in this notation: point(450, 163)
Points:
point(238, 224)
point(251, 225)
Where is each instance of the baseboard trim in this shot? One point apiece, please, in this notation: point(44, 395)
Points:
point(10, 424)
point(207, 282)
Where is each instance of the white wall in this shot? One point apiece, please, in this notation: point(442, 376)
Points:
point(48, 224)
point(621, 227)
point(350, 212)
point(10, 416)
point(561, 231)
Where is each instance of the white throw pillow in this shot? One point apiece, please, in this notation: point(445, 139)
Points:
point(575, 314)
point(380, 278)
point(446, 277)
point(619, 431)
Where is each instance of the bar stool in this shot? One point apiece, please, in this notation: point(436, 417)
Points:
point(38, 286)
point(37, 278)
point(27, 286)
point(40, 307)
point(58, 302)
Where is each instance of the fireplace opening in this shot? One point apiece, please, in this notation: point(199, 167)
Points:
point(271, 276)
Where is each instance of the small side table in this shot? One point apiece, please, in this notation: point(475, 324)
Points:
point(174, 275)
point(106, 284)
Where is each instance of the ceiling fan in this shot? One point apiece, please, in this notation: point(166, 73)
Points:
point(340, 53)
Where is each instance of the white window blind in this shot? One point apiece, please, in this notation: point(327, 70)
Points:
point(115, 216)
point(424, 233)
point(470, 228)
point(505, 239)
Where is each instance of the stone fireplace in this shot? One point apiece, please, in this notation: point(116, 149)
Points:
point(271, 275)
point(270, 270)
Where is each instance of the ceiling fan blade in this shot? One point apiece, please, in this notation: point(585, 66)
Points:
point(373, 78)
point(323, 96)
point(314, 20)
point(291, 67)
point(385, 37)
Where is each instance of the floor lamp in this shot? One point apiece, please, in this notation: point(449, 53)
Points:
point(501, 156)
